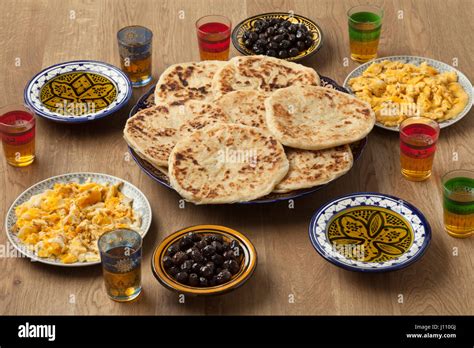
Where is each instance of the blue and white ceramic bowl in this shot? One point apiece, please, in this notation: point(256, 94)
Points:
point(440, 66)
point(140, 205)
point(369, 232)
point(78, 91)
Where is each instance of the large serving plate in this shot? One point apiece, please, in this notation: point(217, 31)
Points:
point(140, 205)
point(249, 23)
point(78, 91)
point(147, 100)
point(440, 66)
point(369, 232)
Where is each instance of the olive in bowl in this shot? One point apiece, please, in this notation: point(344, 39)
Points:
point(204, 260)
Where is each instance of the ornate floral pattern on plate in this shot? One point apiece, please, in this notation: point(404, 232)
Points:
point(78, 91)
point(369, 232)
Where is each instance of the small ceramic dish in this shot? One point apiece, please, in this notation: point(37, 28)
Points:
point(369, 232)
point(78, 91)
point(248, 261)
point(249, 23)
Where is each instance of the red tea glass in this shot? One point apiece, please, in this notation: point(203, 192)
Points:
point(17, 130)
point(213, 33)
point(418, 137)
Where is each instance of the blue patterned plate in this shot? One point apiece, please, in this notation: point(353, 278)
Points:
point(147, 100)
point(78, 91)
point(440, 66)
point(140, 205)
point(369, 232)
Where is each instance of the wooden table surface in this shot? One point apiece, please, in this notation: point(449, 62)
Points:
point(291, 278)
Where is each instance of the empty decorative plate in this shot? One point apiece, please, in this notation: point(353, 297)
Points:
point(369, 232)
point(78, 91)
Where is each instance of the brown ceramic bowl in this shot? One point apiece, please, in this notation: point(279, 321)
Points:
point(248, 261)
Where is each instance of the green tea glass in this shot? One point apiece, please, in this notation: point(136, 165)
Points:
point(365, 25)
point(458, 203)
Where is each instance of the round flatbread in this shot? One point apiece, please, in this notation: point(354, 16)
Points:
point(244, 107)
point(227, 163)
point(153, 132)
point(314, 118)
point(310, 168)
point(182, 82)
point(261, 73)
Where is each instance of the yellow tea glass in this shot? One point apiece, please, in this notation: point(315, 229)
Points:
point(365, 25)
point(121, 256)
point(458, 203)
point(418, 137)
point(17, 129)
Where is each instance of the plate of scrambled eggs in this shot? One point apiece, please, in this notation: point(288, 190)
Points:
point(399, 87)
point(59, 220)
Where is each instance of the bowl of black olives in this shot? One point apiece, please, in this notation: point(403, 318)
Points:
point(279, 34)
point(204, 260)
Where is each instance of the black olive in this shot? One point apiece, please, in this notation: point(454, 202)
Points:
point(185, 243)
point(172, 250)
point(168, 262)
point(271, 53)
point(209, 250)
point(270, 31)
point(278, 38)
point(213, 281)
point(225, 246)
point(260, 42)
point(253, 37)
point(263, 36)
point(246, 35)
point(292, 28)
point(182, 277)
point(186, 265)
point(232, 266)
point(189, 251)
point(179, 258)
point(205, 271)
point(218, 246)
point(257, 49)
point(217, 238)
point(197, 256)
point(282, 31)
point(193, 279)
point(308, 42)
point(292, 38)
point(285, 44)
point(303, 28)
point(293, 52)
point(203, 281)
point(273, 45)
point(283, 54)
point(300, 45)
point(173, 270)
point(195, 237)
point(223, 277)
point(201, 244)
point(196, 267)
point(273, 21)
point(286, 23)
point(229, 255)
point(299, 34)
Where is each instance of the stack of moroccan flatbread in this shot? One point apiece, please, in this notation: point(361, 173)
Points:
point(239, 130)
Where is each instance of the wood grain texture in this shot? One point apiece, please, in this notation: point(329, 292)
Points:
point(42, 33)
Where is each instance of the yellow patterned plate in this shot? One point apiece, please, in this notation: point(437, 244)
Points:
point(248, 263)
point(249, 23)
point(370, 232)
point(78, 91)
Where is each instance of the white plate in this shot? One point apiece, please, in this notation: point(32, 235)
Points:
point(140, 205)
point(440, 66)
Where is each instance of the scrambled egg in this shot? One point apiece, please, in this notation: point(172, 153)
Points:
point(396, 91)
point(66, 222)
